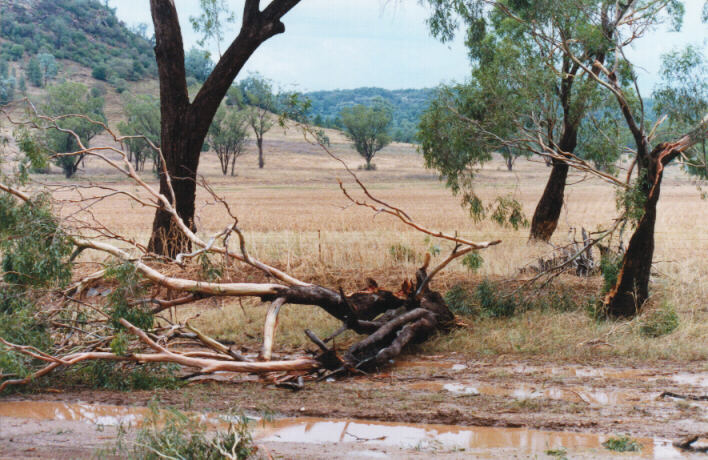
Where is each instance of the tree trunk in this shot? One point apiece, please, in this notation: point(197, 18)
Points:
point(632, 287)
point(548, 210)
point(184, 125)
point(261, 160)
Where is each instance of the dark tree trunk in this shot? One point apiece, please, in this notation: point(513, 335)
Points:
point(632, 287)
point(548, 210)
point(261, 160)
point(184, 125)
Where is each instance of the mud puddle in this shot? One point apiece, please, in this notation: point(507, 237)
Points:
point(372, 436)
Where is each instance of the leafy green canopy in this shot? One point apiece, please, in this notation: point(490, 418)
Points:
point(525, 92)
point(142, 120)
point(682, 95)
point(227, 136)
point(66, 100)
point(367, 127)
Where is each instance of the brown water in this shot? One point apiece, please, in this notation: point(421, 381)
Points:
point(367, 433)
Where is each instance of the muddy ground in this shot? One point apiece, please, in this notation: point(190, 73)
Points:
point(532, 407)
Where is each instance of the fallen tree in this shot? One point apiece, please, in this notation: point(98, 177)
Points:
point(388, 320)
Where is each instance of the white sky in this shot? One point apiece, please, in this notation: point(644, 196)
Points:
point(330, 44)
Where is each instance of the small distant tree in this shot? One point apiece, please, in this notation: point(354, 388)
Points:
point(7, 90)
point(368, 128)
point(48, 67)
point(142, 119)
point(23, 84)
point(100, 72)
point(76, 99)
point(197, 64)
point(227, 136)
point(259, 103)
point(34, 72)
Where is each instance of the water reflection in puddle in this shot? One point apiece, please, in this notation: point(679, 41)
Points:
point(589, 396)
point(369, 434)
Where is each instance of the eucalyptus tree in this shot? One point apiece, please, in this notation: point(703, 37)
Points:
point(185, 122)
point(215, 15)
point(143, 122)
point(367, 128)
point(545, 93)
point(259, 103)
point(85, 111)
point(227, 137)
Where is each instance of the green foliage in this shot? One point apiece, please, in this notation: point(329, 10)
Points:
point(493, 302)
point(100, 72)
point(561, 453)
point(117, 376)
point(610, 266)
point(631, 200)
point(172, 434)
point(402, 253)
point(143, 120)
point(473, 261)
point(661, 321)
point(461, 302)
point(84, 31)
point(35, 256)
point(7, 90)
point(34, 249)
point(622, 444)
point(507, 211)
point(198, 64)
point(124, 300)
point(75, 99)
point(228, 135)
point(34, 72)
point(367, 128)
point(48, 67)
point(210, 23)
point(682, 95)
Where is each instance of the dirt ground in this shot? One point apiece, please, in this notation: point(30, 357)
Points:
point(528, 407)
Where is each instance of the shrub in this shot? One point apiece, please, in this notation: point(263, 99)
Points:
point(494, 303)
point(622, 444)
point(173, 434)
point(119, 301)
point(460, 301)
point(111, 375)
point(661, 321)
point(100, 72)
point(473, 261)
point(610, 265)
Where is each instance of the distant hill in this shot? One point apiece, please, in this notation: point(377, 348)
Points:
point(407, 104)
point(84, 31)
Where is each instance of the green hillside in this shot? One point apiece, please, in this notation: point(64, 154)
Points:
point(84, 31)
point(407, 106)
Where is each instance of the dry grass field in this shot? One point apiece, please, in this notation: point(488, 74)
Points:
point(295, 217)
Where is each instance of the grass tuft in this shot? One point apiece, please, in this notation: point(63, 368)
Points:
point(622, 443)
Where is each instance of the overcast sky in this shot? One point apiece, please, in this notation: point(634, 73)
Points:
point(330, 44)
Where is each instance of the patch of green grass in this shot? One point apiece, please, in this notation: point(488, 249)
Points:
point(111, 375)
point(493, 302)
point(460, 301)
point(661, 321)
point(622, 443)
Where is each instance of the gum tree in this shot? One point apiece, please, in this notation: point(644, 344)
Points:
point(367, 128)
point(510, 61)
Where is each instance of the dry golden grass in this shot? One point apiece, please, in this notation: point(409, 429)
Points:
point(295, 217)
